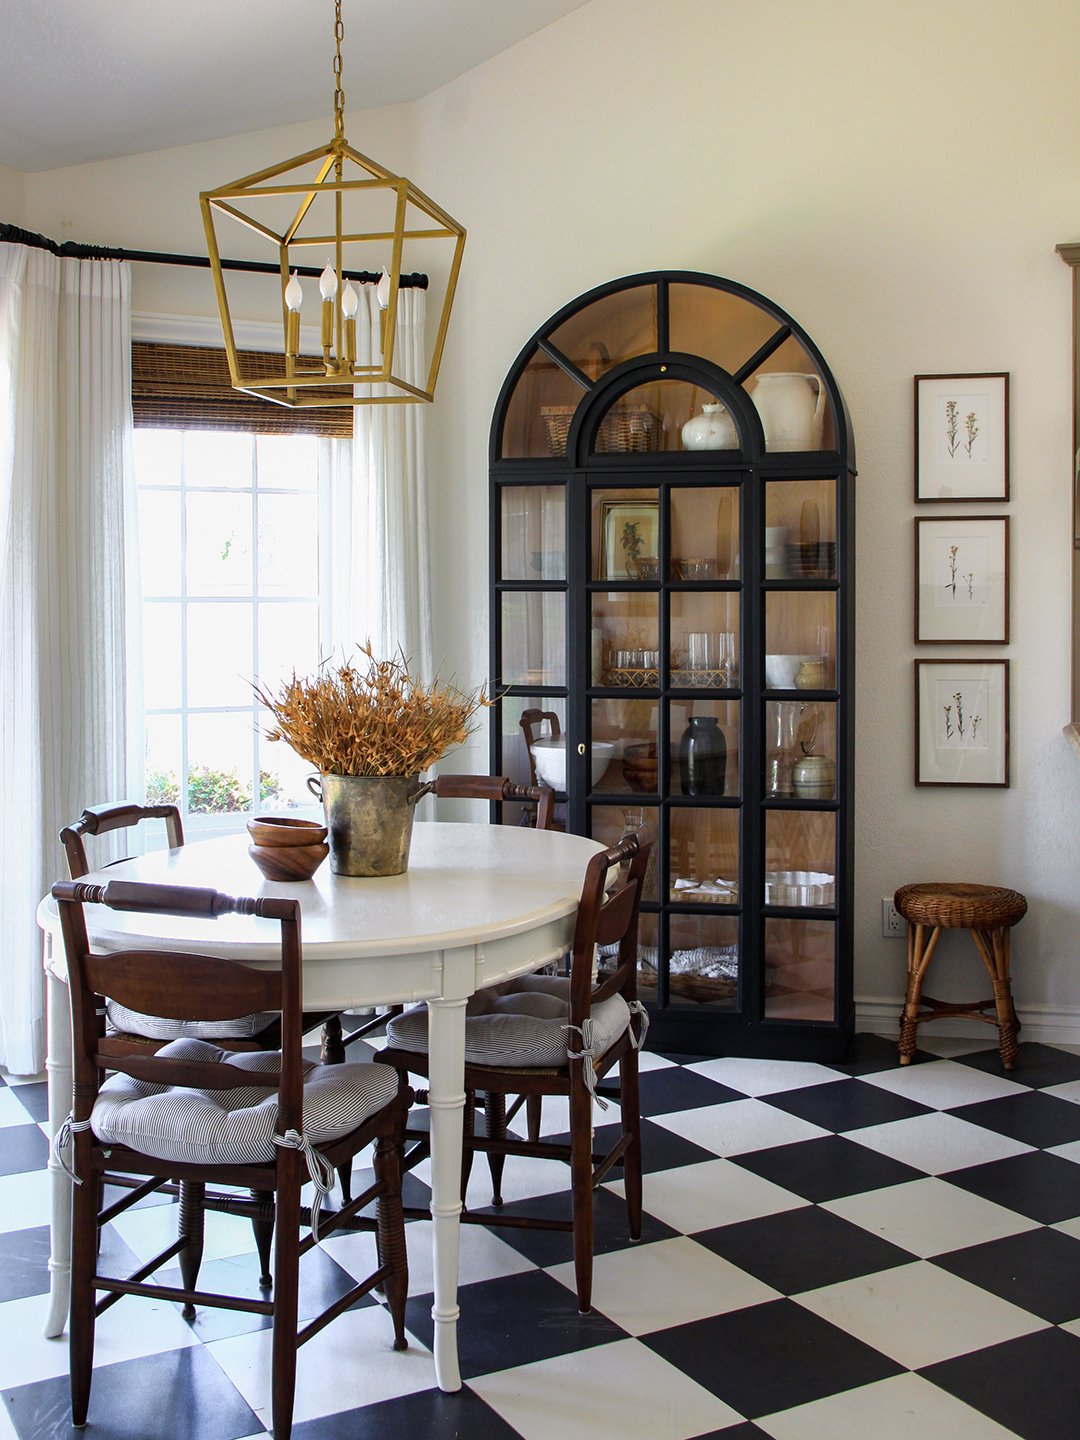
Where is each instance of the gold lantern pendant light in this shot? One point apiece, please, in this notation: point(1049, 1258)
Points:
point(341, 174)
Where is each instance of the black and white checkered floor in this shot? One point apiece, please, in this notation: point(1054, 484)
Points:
point(829, 1253)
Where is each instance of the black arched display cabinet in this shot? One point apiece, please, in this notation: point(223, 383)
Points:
point(672, 636)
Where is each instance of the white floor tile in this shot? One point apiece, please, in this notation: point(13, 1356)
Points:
point(715, 1192)
point(1073, 1327)
point(1069, 1091)
point(133, 1327)
point(481, 1256)
point(523, 1178)
point(919, 1314)
point(929, 1217)
point(1071, 1151)
point(11, 1112)
point(949, 1045)
point(648, 1061)
point(1068, 1227)
point(7, 1425)
point(943, 1084)
point(739, 1127)
point(37, 1079)
point(25, 1200)
point(765, 1077)
point(904, 1407)
point(350, 1363)
point(148, 1231)
point(937, 1143)
point(653, 1287)
point(621, 1391)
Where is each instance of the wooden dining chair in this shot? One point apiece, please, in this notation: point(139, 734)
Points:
point(545, 1035)
point(194, 1114)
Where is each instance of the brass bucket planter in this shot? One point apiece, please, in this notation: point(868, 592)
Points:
point(369, 819)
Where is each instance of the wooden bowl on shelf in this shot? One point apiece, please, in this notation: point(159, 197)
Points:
point(640, 768)
point(287, 849)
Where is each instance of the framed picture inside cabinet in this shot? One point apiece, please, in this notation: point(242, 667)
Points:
point(962, 581)
point(630, 531)
point(962, 722)
point(961, 438)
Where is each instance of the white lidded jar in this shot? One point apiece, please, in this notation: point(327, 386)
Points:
point(713, 429)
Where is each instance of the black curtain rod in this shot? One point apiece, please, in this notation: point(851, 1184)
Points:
point(70, 249)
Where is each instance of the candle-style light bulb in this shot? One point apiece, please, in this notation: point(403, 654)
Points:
point(350, 303)
point(328, 282)
point(328, 289)
point(294, 293)
point(382, 290)
point(293, 296)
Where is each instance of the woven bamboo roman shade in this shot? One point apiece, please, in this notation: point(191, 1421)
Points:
point(188, 387)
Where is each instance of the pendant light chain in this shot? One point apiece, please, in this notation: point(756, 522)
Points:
point(339, 94)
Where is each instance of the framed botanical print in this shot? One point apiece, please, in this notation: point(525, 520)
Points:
point(961, 438)
point(962, 722)
point(962, 581)
point(630, 534)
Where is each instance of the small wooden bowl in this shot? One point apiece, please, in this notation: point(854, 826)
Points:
point(288, 862)
point(274, 830)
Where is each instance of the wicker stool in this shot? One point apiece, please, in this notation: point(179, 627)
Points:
point(989, 913)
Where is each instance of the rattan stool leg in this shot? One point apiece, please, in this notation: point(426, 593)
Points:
point(920, 950)
point(992, 946)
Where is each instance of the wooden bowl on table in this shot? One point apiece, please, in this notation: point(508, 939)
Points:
point(287, 849)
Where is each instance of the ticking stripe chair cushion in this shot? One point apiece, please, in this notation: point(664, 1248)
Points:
point(517, 1025)
point(223, 1127)
point(153, 1027)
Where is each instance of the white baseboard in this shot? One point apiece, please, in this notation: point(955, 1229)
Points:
point(1053, 1024)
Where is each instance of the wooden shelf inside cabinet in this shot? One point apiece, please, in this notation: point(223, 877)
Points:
point(675, 556)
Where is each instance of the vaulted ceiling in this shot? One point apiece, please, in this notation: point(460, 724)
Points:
point(82, 81)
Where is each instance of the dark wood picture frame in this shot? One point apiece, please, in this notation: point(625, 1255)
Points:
point(998, 456)
point(925, 720)
point(995, 588)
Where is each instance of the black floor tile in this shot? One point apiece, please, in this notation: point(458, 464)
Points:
point(515, 1320)
point(665, 1091)
point(770, 1357)
point(555, 1247)
point(803, 1249)
point(871, 1053)
point(22, 1148)
point(427, 1415)
point(846, 1105)
point(1043, 1187)
point(678, 1059)
point(1038, 1270)
point(34, 1099)
point(1030, 1385)
point(1036, 1065)
point(181, 1395)
point(827, 1168)
point(1032, 1118)
point(661, 1149)
point(24, 1263)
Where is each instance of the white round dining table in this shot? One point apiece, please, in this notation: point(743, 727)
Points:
point(478, 905)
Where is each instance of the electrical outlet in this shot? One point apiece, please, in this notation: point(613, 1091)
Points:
point(893, 926)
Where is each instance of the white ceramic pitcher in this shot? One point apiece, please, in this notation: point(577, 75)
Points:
point(792, 416)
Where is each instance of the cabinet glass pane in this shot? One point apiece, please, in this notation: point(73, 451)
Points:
point(534, 637)
point(704, 632)
point(703, 960)
point(704, 856)
point(534, 532)
point(540, 410)
point(705, 534)
point(650, 418)
point(800, 858)
point(609, 823)
point(798, 731)
point(800, 640)
point(794, 413)
point(537, 711)
point(610, 330)
point(692, 773)
point(625, 643)
point(724, 328)
point(624, 746)
point(648, 956)
point(800, 530)
point(625, 535)
point(800, 970)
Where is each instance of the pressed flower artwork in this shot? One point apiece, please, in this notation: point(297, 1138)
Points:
point(962, 580)
point(962, 722)
point(961, 437)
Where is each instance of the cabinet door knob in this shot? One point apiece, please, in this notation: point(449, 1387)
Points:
point(581, 749)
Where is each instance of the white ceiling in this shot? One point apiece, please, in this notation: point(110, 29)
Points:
point(87, 81)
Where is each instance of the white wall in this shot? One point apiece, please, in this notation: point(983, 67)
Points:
point(894, 176)
point(11, 195)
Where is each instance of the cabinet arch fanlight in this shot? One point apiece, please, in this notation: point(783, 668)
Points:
point(673, 584)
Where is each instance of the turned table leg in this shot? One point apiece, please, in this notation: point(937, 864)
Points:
point(446, 1102)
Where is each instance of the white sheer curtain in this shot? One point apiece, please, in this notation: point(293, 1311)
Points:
point(378, 499)
point(68, 616)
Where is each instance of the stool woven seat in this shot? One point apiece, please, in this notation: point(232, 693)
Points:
point(989, 912)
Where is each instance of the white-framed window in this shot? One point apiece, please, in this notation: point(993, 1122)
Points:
point(234, 554)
